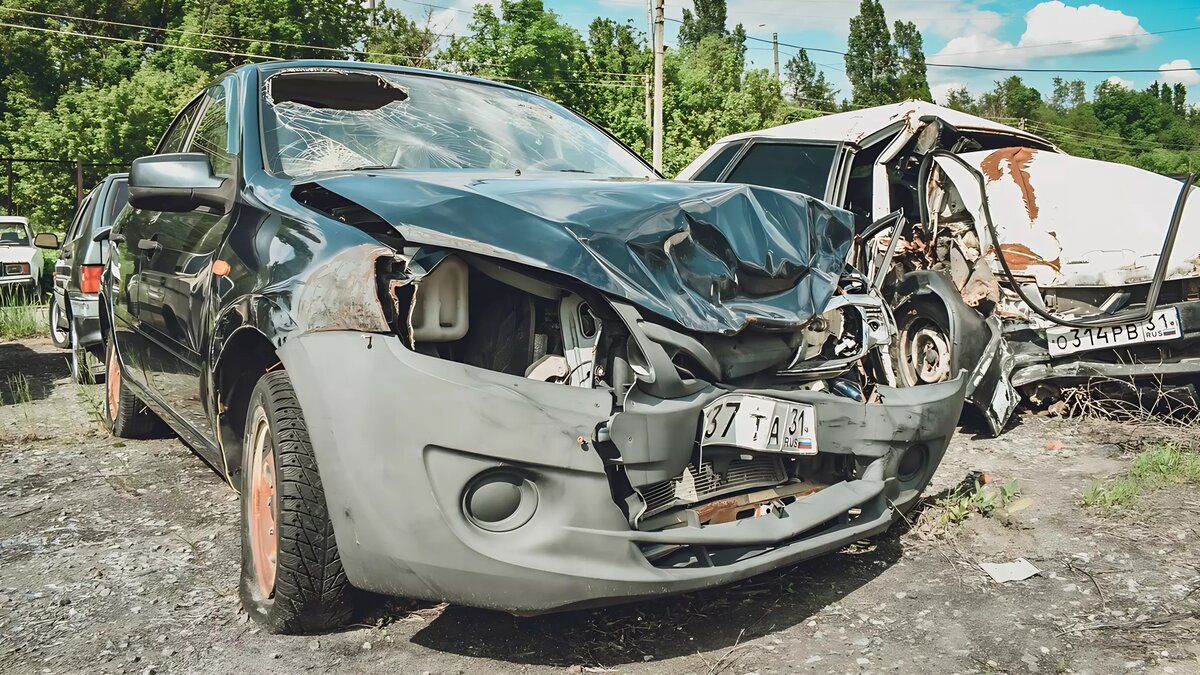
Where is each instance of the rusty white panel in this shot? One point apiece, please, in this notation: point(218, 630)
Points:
point(1069, 221)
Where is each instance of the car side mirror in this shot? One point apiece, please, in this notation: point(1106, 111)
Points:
point(178, 182)
point(46, 240)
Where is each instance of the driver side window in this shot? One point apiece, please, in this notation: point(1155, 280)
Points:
point(212, 133)
point(176, 137)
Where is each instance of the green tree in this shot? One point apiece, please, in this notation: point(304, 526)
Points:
point(806, 85)
point(872, 61)
point(913, 81)
point(258, 27)
point(394, 38)
point(616, 102)
point(526, 45)
point(959, 98)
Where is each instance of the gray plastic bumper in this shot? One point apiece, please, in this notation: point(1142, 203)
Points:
point(400, 437)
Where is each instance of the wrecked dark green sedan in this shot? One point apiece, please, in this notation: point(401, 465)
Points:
point(452, 341)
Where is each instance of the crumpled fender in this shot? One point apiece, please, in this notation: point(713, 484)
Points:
point(978, 346)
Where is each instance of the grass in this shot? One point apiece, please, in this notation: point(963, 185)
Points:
point(20, 394)
point(1161, 465)
point(981, 499)
point(20, 317)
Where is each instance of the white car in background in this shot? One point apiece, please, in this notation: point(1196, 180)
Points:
point(1098, 284)
point(20, 259)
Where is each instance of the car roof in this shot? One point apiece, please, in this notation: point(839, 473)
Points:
point(14, 219)
point(271, 67)
point(856, 126)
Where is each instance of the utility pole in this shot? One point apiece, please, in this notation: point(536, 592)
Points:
point(775, 48)
point(660, 51)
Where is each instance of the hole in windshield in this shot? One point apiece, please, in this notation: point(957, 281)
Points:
point(338, 120)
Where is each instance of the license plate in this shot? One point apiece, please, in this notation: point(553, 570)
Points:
point(1164, 325)
point(760, 423)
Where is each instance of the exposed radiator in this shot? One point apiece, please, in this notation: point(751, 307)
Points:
point(693, 486)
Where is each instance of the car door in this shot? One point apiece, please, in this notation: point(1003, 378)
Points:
point(178, 276)
point(133, 236)
point(68, 251)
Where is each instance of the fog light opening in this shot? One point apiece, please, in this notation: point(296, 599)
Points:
point(912, 463)
point(500, 501)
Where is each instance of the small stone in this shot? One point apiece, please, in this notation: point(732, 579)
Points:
point(862, 662)
point(648, 657)
point(366, 645)
point(276, 655)
point(901, 595)
point(314, 644)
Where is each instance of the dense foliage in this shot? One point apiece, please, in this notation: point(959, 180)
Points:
point(98, 82)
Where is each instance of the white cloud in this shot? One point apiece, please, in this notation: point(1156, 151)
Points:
point(1120, 81)
point(941, 90)
point(789, 16)
point(1188, 77)
point(1052, 29)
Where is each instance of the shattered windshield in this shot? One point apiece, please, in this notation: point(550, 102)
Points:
point(13, 234)
point(333, 120)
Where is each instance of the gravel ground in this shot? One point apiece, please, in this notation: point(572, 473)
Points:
point(122, 557)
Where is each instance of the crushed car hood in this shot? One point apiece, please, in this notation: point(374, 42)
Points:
point(1070, 221)
point(711, 257)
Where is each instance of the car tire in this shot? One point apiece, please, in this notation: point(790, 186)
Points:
point(83, 362)
point(60, 333)
point(923, 354)
point(292, 578)
point(126, 415)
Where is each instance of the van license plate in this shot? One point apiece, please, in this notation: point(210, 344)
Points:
point(1164, 325)
point(760, 423)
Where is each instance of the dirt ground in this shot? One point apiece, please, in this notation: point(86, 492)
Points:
point(122, 557)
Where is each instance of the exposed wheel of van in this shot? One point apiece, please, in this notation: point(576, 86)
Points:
point(292, 578)
point(60, 334)
point(126, 415)
point(924, 352)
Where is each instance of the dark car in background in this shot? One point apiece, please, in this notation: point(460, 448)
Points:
point(75, 297)
point(454, 342)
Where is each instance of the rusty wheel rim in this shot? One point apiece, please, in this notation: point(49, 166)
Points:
point(263, 506)
point(924, 353)
point(112, 384)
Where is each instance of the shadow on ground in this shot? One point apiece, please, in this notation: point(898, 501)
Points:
point(665, 628)
point(29, 375)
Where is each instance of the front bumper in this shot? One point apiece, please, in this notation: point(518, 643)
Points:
point(1158, 360)
point(400, 436)
point(85, 313)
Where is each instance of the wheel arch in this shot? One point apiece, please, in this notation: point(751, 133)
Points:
point(247, 354)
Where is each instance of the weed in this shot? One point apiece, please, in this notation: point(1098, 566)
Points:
point(20, 317)
point(980, 498)
point(1163, 464)
point(91, 402)
point(19, 394)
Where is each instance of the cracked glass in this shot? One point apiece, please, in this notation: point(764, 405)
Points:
point(317, 121)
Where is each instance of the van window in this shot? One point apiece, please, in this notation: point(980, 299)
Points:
point(786, 166)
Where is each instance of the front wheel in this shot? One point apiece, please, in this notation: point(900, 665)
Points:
point(60, 334)
point(292, 578)
point(124, 412)
point(924, 353)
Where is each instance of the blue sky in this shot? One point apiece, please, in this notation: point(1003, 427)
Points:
point(1105, 35)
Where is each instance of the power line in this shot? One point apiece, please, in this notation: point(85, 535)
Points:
point(340, 50)
point(996, 68)
point(140, 42)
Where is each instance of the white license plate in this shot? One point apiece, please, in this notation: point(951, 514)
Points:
point(760, 423)
point(1164, 325)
